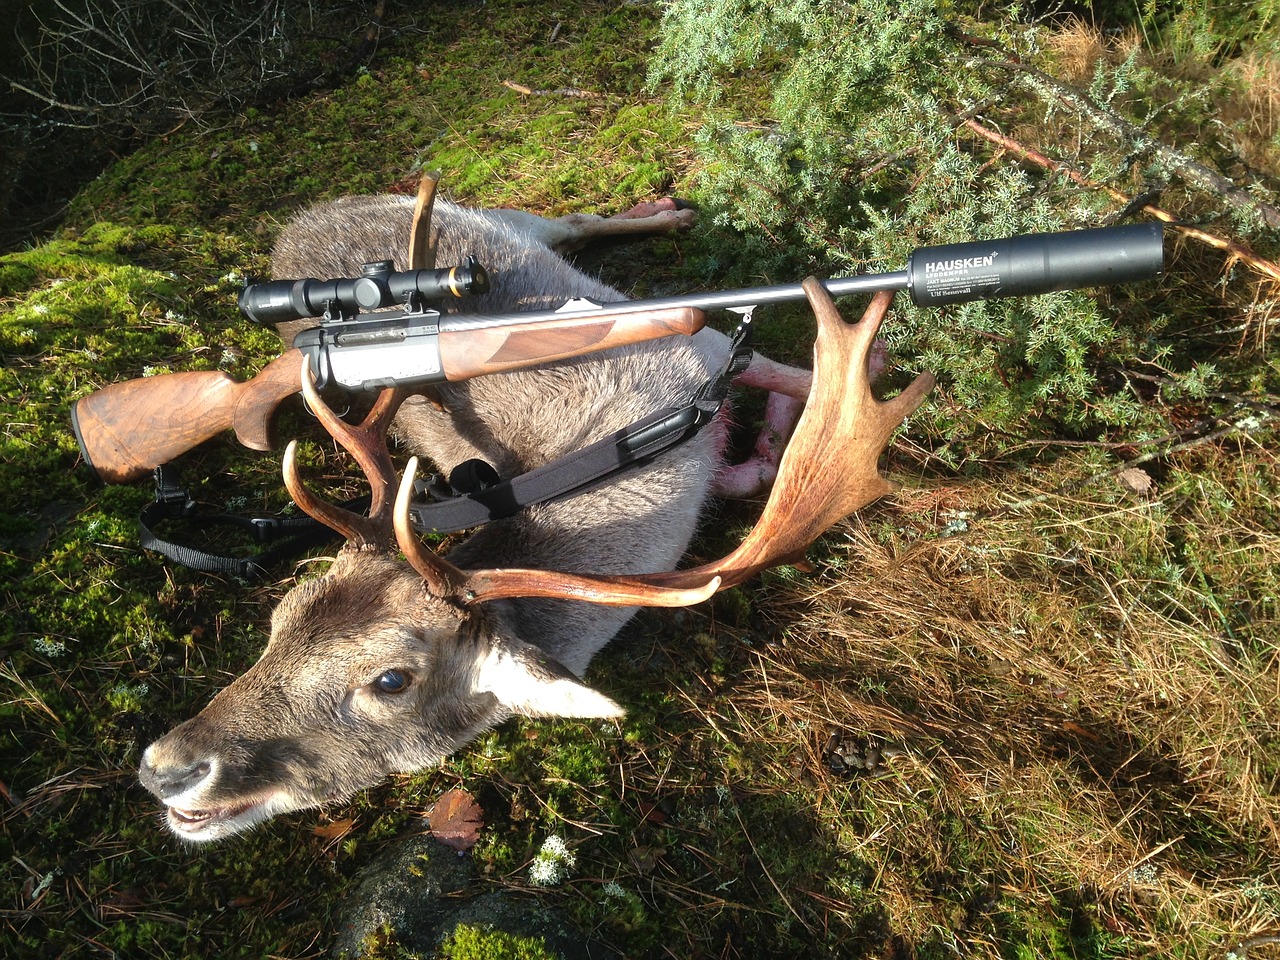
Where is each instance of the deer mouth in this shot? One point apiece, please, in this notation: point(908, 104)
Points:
point(214, 822)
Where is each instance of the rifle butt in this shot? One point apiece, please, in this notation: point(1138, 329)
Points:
point(126, 430)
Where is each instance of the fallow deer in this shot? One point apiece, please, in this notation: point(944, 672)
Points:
point(397, 657)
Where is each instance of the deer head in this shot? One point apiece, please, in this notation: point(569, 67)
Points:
point(387, 664)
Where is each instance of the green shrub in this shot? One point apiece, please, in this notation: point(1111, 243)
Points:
point(861, 160)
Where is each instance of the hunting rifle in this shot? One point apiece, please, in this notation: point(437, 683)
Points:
point(127, 429)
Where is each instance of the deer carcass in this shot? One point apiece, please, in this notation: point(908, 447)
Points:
point(397, 657)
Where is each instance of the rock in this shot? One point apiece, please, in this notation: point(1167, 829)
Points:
point(419, 891)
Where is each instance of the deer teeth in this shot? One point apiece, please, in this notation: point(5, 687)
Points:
point(190, 816)
point(197, 819)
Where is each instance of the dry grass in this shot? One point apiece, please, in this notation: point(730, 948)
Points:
point(1251, 112)
point(1076, 726)
point(1078, 46)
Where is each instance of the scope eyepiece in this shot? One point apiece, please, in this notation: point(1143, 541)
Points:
point(379, 285)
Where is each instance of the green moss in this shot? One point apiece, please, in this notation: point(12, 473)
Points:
point(471, 943)
point(436, 103)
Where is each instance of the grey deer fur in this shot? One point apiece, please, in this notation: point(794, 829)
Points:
point(314, 719)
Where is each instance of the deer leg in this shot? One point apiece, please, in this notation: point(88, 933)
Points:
point(576, 230)
point(754, 476)
point(766, 374)
point(788, 389)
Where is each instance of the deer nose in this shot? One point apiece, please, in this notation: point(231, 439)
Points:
point(172, 779)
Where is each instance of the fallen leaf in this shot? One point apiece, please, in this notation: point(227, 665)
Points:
point(1079, 731)
point(123, 904)
point(651, 813)
point(1135, 480)
point(455, 820)
point(645, 859)
point(333, 831)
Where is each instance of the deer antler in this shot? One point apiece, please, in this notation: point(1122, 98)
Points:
point(388, 520)
point(368, 444)
point(422, 252)
point(827, 472)
point(446, 580)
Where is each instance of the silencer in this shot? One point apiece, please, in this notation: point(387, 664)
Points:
point(1034, 263)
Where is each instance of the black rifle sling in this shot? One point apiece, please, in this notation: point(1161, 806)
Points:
point(482, 496)
point(488, 498)
point(289, 535)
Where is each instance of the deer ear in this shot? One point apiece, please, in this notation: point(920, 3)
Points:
point(528, 681)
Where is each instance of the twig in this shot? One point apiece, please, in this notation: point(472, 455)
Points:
point(1236, 250)
point(61, 105)
point(1241, 949)
point(1270, 409)
point(1192, 172)
point(558, 92)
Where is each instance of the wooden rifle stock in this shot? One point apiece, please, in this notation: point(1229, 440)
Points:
point(472, 350)
point(126, 430)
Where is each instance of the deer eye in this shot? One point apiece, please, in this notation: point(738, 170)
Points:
point(392, 681)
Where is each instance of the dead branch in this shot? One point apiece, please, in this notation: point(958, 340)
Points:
point(558, 92)
point(1234, 249)
point(1190, 171)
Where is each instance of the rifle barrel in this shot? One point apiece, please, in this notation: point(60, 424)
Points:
point(716, 300)
point(953, 273)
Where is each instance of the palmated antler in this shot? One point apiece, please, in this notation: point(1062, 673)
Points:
point(828, 471)
point(388, 523)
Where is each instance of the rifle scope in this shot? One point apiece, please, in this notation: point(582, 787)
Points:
point(279, 301)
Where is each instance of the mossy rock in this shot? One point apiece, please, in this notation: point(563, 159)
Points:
point(423, 899)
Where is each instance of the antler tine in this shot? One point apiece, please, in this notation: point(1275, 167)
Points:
point(443, 579)
point(367, 443)
point(828, 471)
point(446, 581)
point(644, 591)
point(422, 252)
